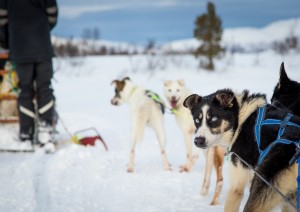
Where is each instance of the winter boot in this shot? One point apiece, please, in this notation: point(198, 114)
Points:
point(45, 136)
point(25, 142)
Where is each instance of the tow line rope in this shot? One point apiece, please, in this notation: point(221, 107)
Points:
point(288, 200)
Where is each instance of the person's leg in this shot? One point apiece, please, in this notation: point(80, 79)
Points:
point(45, 97)
point(25, 73)
point(45, 103)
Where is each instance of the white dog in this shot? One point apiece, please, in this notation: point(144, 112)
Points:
point(176, 92)
point(144, 110)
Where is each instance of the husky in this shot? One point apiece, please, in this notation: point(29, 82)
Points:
point(144, 111)
point(176, 92)
point(287, 92)
point(234, 120)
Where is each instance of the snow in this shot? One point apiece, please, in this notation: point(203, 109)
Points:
point(78, 178)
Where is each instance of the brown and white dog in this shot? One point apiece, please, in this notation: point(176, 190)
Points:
point(144, 111)
point(176, 92)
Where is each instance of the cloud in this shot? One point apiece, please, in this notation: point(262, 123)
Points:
point(75, 11)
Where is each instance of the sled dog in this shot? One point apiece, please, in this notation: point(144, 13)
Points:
point(287, 92)
point(144, 111)
point(176, 92)
point(244, 123)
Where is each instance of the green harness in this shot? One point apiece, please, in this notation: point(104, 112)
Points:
point(156, 98)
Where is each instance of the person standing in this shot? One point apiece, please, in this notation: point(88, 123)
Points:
point(29, 23)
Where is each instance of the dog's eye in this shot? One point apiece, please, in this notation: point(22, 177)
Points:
point(169, 90)
point(177, 90)
point(214, 118)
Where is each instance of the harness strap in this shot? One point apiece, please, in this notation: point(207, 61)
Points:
point(261, 114)
point(274, 121)
point(155, 97)
point(260, 122)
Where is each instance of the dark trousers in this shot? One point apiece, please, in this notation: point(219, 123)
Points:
point(35, 83)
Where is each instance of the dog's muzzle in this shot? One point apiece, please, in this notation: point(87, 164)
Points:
point(200, 142)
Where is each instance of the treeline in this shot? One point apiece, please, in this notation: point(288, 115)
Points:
point(70, 47)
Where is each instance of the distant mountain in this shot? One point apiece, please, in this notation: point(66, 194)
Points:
point(245, 39)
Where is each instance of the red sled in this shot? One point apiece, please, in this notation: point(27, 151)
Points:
point(83, 137)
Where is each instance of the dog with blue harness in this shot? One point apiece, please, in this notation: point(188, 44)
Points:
point(261, 140)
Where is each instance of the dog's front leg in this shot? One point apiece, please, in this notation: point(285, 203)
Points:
point(218, 164)
point(209, 156)
point(188, 139)
point(239, 177)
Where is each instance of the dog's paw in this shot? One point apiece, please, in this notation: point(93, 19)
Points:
point(214, 202)
point(130, 170)
point(184, 169)
point(168, 168)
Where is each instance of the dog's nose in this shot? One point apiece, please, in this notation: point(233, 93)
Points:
point(200, 142)
point(173, 98)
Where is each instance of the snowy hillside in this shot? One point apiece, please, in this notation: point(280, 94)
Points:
point(246, 38)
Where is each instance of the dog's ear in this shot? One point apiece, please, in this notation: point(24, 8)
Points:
point(283, 76)
point(225, 99)
point(114, 82)
point(191, 101)
point(126, 78)
point(167, 82)
point(181, 82)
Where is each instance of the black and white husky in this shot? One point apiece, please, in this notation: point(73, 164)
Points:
point(239, 121)
point(287, 92)
point(144, 111)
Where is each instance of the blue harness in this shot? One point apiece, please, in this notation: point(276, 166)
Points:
point(283, 123)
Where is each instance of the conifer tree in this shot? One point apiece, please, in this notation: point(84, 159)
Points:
point(208, 31)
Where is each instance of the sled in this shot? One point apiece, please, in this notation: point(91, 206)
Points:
point(18, 150)
point(85, 137)
point(88, 136)
point(7, 71)
point(9, 120)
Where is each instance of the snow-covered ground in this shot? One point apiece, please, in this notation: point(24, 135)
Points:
point(78, 178)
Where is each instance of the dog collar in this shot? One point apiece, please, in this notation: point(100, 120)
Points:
point(133, 91)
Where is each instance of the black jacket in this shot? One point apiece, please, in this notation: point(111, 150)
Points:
point(29, 23)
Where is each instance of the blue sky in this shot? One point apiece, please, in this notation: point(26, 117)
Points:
point(137, 21)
